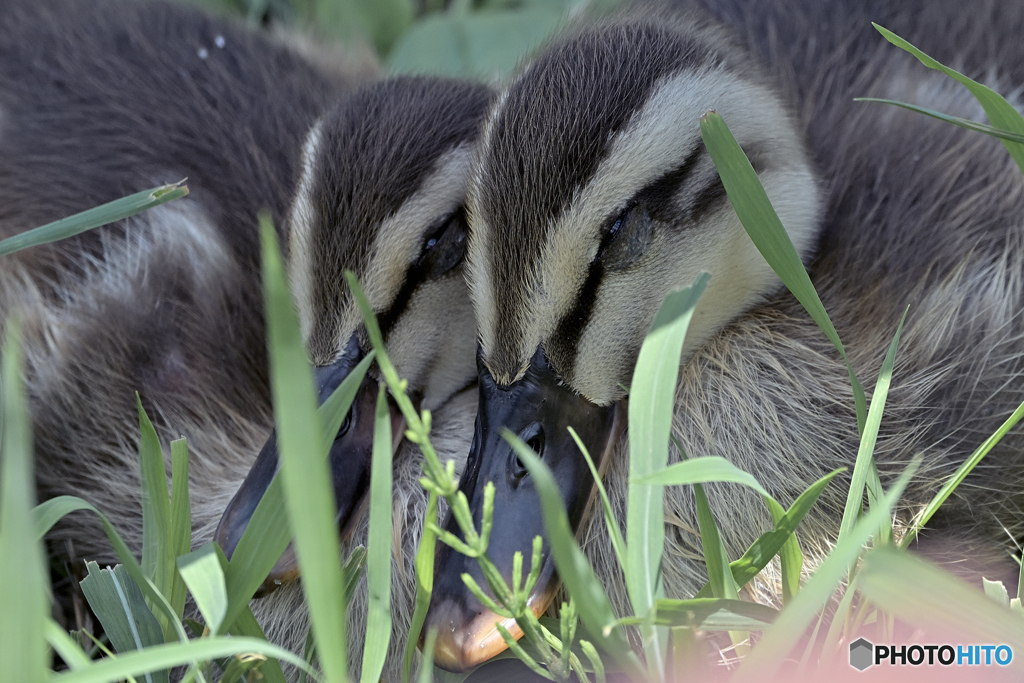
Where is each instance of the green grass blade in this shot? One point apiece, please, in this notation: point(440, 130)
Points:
point(712, 614)
point(181, 521)
point(378, 569)
point(65, 646)
point(618, 543)
point(961, 474)
point(773, 649)
point(305, 474)
point(761, 222)
point(176, 654)
point(24, 580)
point(424, 588)
point(202, 573)
point(761, 551)
point(48, 513)
point(120, 607)
point(268, 532)
point(93, 218)
point(1000, 112)
point(651, 406)
point(715, 558)
point(247, 626)
point(865, 453)
point(578, 577)
point(158, 551)
point(925, 596)
point(427, 665)
point(701, 471)
point(791, 559)
point(955, 120)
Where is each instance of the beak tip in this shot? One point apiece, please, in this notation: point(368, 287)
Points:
point(461, 646)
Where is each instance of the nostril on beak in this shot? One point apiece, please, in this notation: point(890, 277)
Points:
point(533, 436)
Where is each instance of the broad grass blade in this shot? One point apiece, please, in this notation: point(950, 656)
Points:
point(268, 532)
point(204, 577)
point(120, 607)
point(766, 231)
point(773, 649)
point(93, 218)
point(424, 588)
point(716, 614)
point(378, 569)
point(158, 552)
point(761, 551)
point(701, 471)
point(865, 454)
point(175, 654)
point(24, 579)
point(651, 406)
point(578, 577)
point(927, 597)
point(1000, 112)
point(305, 474)
point(181, 522)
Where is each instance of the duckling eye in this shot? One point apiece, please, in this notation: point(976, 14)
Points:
point(444, 247)
point(627, 238)
point(344, 426)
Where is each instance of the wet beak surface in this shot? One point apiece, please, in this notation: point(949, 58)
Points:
point(349, 460)
point(540, 410)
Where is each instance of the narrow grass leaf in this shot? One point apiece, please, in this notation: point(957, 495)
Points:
point(378, 570)
point(175, 654)
point(424, 587)
point(181, 521)
point(927, 597)
point(651, 406)
point(24, 579)
point(268, 532)
point(1000, 112)
point(578, 577)
point(701, 471)
point(767, 233)
point(791, 559)
point(65, 646)
point(618, 543)
point(49, 512)
point(961, 474)
point(202, 573)
point(865, 454)
point(773, 649)
point(127, 621)
point(955, 120)
point(305, 474)
point(715, 558)
point(761, 551)
point(93, 218)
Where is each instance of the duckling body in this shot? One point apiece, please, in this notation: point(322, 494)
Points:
point(103, 99)
point(886, 208)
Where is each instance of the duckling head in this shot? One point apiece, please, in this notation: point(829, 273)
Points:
point(593, 200)
point(381, 193)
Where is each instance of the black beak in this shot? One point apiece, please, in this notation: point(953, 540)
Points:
point(349, 461)
point(540, 410)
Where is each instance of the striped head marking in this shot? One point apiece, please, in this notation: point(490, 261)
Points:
point(595, 198)
point(381, 193)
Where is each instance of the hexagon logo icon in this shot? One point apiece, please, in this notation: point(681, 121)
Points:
point(861, 651)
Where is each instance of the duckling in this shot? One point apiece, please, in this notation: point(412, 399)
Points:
point(103, 99)
point(595, 198)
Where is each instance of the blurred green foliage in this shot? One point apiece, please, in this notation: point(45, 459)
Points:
point(460, 38)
